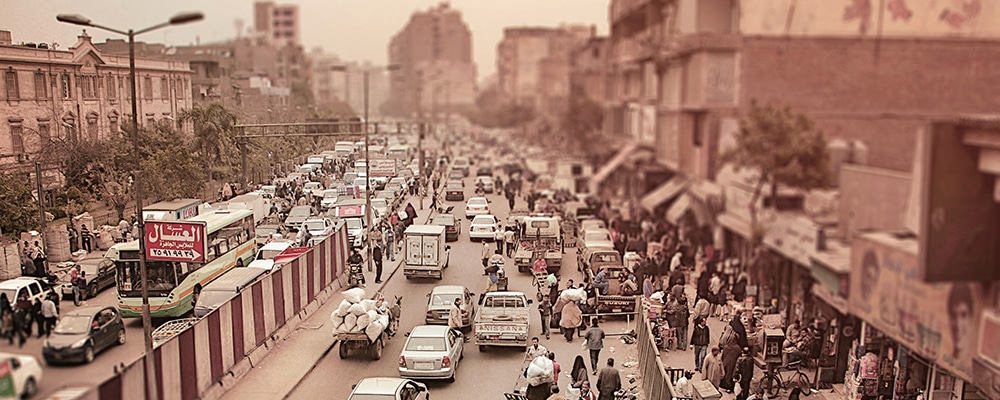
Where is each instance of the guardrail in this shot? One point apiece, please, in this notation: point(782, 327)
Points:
point(655, 381)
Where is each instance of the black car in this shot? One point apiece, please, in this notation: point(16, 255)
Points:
point(99, 277)
point(454, 192)
point(82, 333)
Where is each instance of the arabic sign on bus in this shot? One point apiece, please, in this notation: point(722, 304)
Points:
point(382, 167)
point(176, 241)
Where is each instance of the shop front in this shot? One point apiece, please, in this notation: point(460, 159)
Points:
point(830, 270)
point(931, 325)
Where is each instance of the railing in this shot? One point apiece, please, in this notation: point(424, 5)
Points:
point(655, 382)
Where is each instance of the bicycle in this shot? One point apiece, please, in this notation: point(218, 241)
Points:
point(773, 383)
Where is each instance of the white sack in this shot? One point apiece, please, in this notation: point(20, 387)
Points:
point(374, 315)
point(374, 329)
point(342, 328)
point(336, 319)
point(540, 371)
point(354, 295)
point(357, 309)
point(578, 294)
point(364, 320)
point(350, 321)
point(356, 329)
point(344, 308)
point(383, 320)
point(368, 304)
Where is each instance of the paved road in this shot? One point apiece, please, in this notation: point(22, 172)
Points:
point(486, 374)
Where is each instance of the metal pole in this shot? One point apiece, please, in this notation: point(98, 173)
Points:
point(147, 320)
point(420, 160)
point(368, 183)
point(42, 222)
point(243, 162)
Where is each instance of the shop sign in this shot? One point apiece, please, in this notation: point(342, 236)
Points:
point(382, 167)
point(176, 241)
point(935, 320)
point(794, 236)
point(738, 202)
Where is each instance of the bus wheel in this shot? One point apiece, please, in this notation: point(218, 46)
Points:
point(239, 263)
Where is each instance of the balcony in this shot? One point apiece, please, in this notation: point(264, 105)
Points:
point(681, 45)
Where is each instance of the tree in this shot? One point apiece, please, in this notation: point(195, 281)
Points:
point(583, 122)
point(214, 136)
point(18, 207)
point(782, 147)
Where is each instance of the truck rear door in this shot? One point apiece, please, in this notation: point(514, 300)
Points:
point(414, 250)
point(430, 251)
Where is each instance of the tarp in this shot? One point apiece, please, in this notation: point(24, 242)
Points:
point(668, 190)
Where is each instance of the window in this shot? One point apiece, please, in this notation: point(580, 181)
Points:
point(66, 84)
point(150, 120)
point(43, 131)
point(126, 86)
point(179, 89)
point(112, 87)
point(113, 123)
point(41, 89)
point(92, 127)
point(88, 87)
point(10, 82)
point(697, 128)
point(147, 88)
point(164, 89)
point(16, 139)
point(69, 128)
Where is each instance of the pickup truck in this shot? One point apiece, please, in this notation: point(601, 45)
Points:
point(591, 260)
point(541, 237)
point(502, 320)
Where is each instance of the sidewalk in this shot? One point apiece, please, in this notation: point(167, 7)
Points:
point(291, 358)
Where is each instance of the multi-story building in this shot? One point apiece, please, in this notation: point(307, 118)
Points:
point(874, 79)
point(589, 69)
point(338, 81)
point(533, 64)
point(80, 94)
point(433, 53)
point(277, 23)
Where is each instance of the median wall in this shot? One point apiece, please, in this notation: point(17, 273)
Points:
point(209, 357)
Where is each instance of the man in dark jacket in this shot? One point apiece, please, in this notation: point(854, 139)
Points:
point(700, 339)
point(608, 381)
point(744, 374)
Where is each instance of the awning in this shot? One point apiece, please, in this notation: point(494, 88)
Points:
point(834, 300)
point(612, 165)
point(664, 192)
point(735, 224)
point(677, 210)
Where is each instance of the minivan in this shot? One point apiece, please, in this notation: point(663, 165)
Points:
point(224, 288)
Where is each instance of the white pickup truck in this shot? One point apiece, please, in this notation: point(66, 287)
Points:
point(502, 320)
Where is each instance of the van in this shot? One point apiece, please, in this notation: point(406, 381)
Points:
point(224, 288)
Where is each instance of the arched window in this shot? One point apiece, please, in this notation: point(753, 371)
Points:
point(92, 134)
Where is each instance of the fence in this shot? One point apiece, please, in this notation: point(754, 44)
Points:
point(655, 382)
point(221, 347)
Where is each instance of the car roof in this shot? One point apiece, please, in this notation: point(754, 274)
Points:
point(90, 310)
point(277, 245)
point(491, 216)
point(448, 289)
point(18, 282)
point(379, 385)
point(478, 199)
point(429, 331)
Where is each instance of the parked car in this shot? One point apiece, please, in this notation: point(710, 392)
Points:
point(100, 276)
point(452, 226)
point(388, 389)
point(483, 227)
point(297, 216)
point(596, 237)
point(476, 206)
point(440, 300)
point(25, 372)
point(431, 352)
point(82, 333)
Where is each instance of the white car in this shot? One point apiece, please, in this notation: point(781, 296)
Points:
point(380, 205)
point(477, 206)
point(330, 197)
point(484, 184)
point(431, 352)
point(483, 227)
point(25, 371)
point(266, 254)
point(319, 227)
point(597, 237)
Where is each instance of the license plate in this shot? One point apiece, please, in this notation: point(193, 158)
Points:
point(423, 365)
point(508, 337)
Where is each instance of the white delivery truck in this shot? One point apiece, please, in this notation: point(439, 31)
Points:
point(253, 202)
point(426, 252)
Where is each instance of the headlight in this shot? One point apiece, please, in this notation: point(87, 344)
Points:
point(81, 343)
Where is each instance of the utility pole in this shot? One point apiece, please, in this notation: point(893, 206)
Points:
point(42, 222)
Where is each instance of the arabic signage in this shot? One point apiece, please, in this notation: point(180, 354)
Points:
point(350, 211)
point(795, 236)
point(382, 167)
point(176, 241)
point(935, 320)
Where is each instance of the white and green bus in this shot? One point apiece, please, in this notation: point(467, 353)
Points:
point(173, 286)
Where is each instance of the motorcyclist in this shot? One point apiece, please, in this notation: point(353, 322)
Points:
point(355, 261)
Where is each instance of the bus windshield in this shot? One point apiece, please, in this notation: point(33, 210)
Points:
point(162, 276)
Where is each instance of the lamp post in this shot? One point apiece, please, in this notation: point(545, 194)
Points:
point(147, 329)
point(368, 183)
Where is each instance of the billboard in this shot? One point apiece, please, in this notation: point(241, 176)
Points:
point(959, 221)
point(382, 167)
point(183, 241)
point(935, 320)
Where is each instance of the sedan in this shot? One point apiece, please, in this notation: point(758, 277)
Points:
point(431, 352)
point(483, 227)
point(82, 333)
point(99, 276)
point(440, 300)
point(297, 216)
point(484, 184)
point(454, 191)
point(319, 227)
point(452, 226)
point(477, 206)
point(25, 373)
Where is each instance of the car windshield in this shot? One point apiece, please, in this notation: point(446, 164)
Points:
point(268, 254)
point(73, 324)
point(315, 225)
point(301, 211)
point(443, 221)
point(353, 223)
point(380, 202)
point(264, 231)
point(598, 236)
point(483, 220)
point(443, 299)
point(606, 257)
point(331, 195)
point(478, 201)
point(425, 344)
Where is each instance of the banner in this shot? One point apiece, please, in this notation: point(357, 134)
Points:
point(935, 320)
point(382, 167)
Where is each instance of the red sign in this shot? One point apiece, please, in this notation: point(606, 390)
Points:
point(176, 241)
point(350, 211)
point(382, 167)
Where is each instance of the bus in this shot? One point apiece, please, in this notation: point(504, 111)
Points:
point(174, 286)
point(172, 210)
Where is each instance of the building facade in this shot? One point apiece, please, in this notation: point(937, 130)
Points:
point(277, 23)
point(433, 53)
point(80, 94)
point(533, 65)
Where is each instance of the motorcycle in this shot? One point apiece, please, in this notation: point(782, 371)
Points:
point(355, 274)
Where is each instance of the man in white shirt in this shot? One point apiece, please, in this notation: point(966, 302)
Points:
point(50, 314)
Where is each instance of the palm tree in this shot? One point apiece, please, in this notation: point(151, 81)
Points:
point(214, 135)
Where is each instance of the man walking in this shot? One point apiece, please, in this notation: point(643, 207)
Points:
point(455, 316)
point(49, 315)
point(699, 339)
point(377, 258)
point(545, 312)
point(508, 238)
point(499, 238)
point(390, 243)
point(595, 342)
point(486, 254)
point(536, 350)
point(608, 381)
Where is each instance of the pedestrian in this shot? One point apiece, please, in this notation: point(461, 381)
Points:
point(647, 286)
point(683, 387)
point(508, 238)
point(390, 243)
point(595, 342)
point(733, 341)
point(702, 308)
point(545, 312)
point(510, 200)
point(712, 369)
point(681, 320)
point(700, 339)
point(80, 288)
point(555, 369)
point(455, 316)
point(74, 238)
point(376, 237)
point(608, 381)
point(50, 314)
point(37, 317)
point(555, 394)
point(536, 350)
point(744, 368)
point(578, 373)
point(377, 258)
point(6, 317)
point(499, 238)
point(571, 318)
point(38, 258)
point(85, 238)
point(22, 321)
point(586, 393)
point(486, 253)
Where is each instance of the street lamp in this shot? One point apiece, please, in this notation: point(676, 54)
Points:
point(147, 329)
point(368, 183)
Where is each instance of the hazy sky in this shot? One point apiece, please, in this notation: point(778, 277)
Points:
point(355, 30)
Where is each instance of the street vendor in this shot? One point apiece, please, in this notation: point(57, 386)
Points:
point(540, 266)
